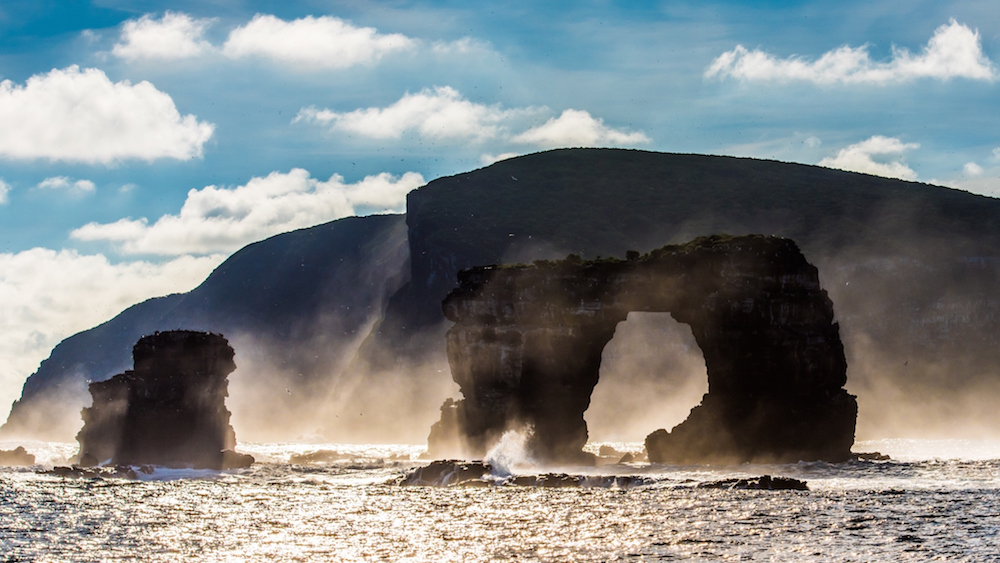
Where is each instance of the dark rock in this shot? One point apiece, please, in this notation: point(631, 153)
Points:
point(111, 472)
point(444, 473)
point(235, 460)
point(627, 458)
point(169, 411)
point(872, 456)
point(608, 451)
point(764, 483)
point(17, 456)
point(527, 341)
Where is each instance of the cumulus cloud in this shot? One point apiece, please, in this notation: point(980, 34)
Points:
point(859, 158)
point(4, 190)
point(173, 36)
point(442, 114)
point(323, 42)
point(40, 305)
point(955, 51)
point(577, 128)
point(215, 219)
point(67, 184)
point(81, 116)
point(972, 169)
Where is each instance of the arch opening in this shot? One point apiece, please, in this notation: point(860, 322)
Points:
point(652, 374)
point(526, 351)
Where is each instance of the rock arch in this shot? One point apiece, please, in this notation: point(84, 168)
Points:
point(526, 351)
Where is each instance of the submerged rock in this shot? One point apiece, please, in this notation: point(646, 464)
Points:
point(170, 410)
point(527, 342)
point(872, 456)
point(443, 473)
point(17, 456)
point(764, 482)
point(455, 473)
point(110, 472)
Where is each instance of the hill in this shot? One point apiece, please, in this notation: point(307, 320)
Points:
point(912, 270)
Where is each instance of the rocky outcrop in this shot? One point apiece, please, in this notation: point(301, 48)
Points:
point(17, 456)
point(170, 410)
point(527, 341)
point(762, 483)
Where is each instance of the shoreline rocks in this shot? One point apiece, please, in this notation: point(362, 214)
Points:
point(17, 456)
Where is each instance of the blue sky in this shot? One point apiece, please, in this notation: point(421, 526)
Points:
point(143, 142)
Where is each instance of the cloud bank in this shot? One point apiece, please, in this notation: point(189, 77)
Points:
point(41, 304)
point(859, 158)
point(215, 219)
point(78, 115)
point(955, 51)
point(323, 42)
point(173, 36)
point(442, 114)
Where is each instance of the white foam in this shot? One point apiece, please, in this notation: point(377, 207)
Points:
point(510, 453)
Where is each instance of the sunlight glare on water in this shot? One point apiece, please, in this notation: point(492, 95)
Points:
point(930, 502)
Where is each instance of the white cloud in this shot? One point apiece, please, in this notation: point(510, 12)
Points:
point(323, 42)
point(577, 128)
point(4, 190)
point(68, 184)
point(81, 116)
point(954, 51)
point(174, 36)
point(858, 158)
point(972, 169)
point(41, 305)
point(217, 219)
point(488, 159)
point(442, 114)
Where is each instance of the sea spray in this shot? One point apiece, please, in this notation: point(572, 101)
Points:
point(510, 453)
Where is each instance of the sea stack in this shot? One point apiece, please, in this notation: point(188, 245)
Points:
point(169, 410)
point(527, 342)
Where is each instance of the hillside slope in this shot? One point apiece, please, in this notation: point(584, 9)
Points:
point(294, 306)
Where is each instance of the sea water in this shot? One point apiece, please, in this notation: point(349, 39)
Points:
point(934, 500)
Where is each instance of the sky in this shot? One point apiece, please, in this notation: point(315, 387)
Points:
point(142, 142)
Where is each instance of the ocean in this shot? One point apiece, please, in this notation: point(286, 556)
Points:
point(934, 500)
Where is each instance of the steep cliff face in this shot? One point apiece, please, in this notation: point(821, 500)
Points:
point(527, 341)
point(170, 410)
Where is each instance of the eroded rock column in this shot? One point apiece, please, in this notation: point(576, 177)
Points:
point(527, 341)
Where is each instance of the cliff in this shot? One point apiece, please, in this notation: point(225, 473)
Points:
point(170, 410)
point(527, 342)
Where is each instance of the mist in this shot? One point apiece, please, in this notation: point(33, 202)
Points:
point(652, 374)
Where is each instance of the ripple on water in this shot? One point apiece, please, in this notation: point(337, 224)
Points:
point(934, 507)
